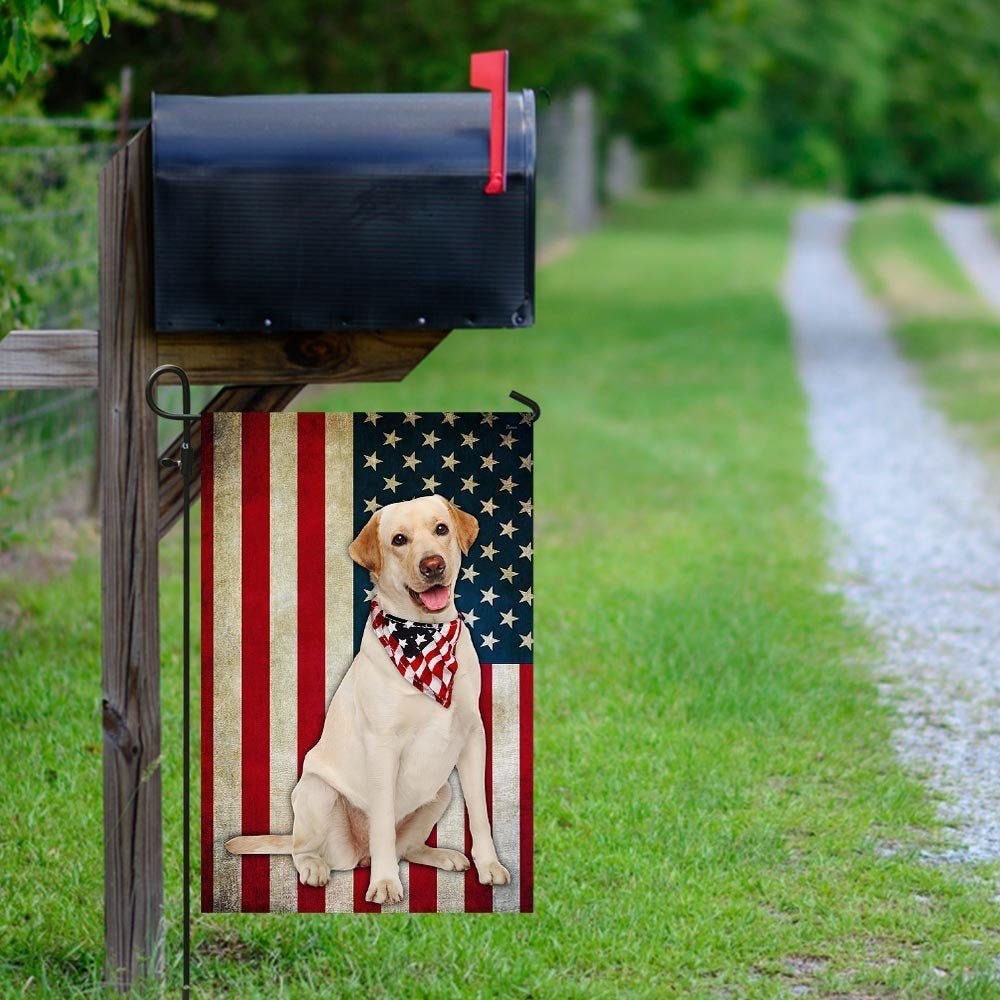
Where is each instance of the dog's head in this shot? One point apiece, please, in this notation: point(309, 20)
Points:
point(414, 551)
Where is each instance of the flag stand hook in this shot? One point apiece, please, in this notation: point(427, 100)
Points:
point(185, 464)
point(536, 410)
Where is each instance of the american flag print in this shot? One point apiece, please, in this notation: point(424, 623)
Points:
point(283, 611)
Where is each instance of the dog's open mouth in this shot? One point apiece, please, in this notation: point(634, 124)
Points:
point(434, 598)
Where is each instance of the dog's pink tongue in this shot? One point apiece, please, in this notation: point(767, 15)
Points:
point(436, 598)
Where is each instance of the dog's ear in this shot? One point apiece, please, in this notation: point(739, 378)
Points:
point(466, 526)
point(365, 549)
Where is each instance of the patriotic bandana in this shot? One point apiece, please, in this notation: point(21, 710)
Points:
point(423, 652)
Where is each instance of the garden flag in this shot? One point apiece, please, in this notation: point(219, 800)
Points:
point(285, 611)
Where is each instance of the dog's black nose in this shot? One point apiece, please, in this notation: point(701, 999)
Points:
point(431, 566)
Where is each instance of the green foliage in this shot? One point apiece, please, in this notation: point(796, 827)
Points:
point(17, 307)
point(36, 32)
point(28, 26)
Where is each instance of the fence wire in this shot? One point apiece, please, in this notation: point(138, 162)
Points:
point(48, 228)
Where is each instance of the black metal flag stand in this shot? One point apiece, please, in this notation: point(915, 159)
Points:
point(186, 466)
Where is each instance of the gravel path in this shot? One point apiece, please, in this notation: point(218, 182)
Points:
point(966, 230)
point(917, 541)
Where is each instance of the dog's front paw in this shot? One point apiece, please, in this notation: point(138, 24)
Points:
point(385, 890)
point(492, 873)
point(313, 871)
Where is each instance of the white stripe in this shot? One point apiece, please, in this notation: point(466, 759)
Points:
point(451, 833)
point(404, 878)
point(227, 657)
point(339, 498)
point(506, 782)
point(284, 648)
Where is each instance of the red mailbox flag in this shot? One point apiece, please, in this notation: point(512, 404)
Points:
point(488, 71)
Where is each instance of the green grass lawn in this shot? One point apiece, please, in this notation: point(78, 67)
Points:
point(940, 321)
point(719, 812)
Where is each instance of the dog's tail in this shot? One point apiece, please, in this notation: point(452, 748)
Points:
point(271, 844)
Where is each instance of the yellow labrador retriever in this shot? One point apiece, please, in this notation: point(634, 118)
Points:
point(377, 781)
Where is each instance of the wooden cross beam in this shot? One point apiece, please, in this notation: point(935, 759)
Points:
point(140, 502)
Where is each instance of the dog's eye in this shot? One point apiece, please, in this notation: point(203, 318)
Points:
point(399, 539)
point(441, 529)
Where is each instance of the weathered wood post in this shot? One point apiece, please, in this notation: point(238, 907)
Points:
point(133, 829)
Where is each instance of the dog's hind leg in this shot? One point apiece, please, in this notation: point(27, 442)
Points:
point(416, 828)
point(313, 803)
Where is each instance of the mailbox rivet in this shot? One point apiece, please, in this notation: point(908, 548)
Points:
point(267, 322)
point(421, 321)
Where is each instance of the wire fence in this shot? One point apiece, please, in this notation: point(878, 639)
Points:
point(48, 228)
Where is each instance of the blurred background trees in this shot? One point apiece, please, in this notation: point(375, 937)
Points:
point(861, 96)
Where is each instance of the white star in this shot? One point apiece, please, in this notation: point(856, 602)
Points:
point(392, 483)
point(508, 440)
point(489, 461)
point(431, 439)
point(469, 484)
point(411, 461)
point(488, 596)
point(469, 439)
point(526, 640)
point(370, 594)
point(391, 438)
point(507, 618)
point(489, 640)
point(411, 419)
point(527, 462)
point(527, 418)
point(507, 485)
point(508, 574)
point(449, 462)
point(431, 484)
point(372, 418)
point(527, 597)
point(527, 507)
point(489, 550)
point(372, 505)
point(470, 573)
point(488, 506)
point(471, 618)
point(489, 418)
point(372, 461)
point(527, 551)
point(508, 529)
point(449, 418)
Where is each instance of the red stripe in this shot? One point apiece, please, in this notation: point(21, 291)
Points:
point(256, 652)
point(312, 603)
point(479, 898)
point(207, 649)
point(423, 883)
point(527, 743)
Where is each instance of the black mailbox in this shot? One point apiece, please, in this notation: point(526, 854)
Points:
point(324, 212)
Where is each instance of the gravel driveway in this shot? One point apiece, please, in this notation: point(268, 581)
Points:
point(966, 231)
point(917, 530)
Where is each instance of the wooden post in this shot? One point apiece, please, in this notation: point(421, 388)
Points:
point(133, 834)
